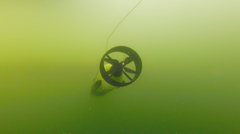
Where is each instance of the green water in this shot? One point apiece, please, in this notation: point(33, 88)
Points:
point(50, 53)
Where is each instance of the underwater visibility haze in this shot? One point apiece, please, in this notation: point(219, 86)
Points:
point(50, 53)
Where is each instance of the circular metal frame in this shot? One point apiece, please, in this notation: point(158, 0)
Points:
point(134, 58)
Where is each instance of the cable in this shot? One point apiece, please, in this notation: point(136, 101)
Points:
point(120, 23)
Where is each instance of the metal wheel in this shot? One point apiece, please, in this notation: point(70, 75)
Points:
point(130, 67)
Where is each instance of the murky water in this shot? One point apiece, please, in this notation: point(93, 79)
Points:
point(50, 53)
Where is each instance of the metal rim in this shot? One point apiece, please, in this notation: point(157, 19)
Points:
point(132, 55)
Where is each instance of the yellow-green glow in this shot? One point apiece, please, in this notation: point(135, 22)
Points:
point(50, 53)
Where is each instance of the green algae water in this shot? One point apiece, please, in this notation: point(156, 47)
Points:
point(50, 53)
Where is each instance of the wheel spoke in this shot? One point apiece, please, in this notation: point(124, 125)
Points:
point(129, 70)
point(111, 61)
point(127, 75)
point(128, 60)
point(108, 56)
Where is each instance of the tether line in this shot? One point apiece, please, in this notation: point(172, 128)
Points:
point(121, 22)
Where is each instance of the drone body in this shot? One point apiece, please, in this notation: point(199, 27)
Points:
point(115, 72)
point(100, 86)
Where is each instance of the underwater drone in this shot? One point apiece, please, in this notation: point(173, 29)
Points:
point(119, 66)
point(114, 72)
